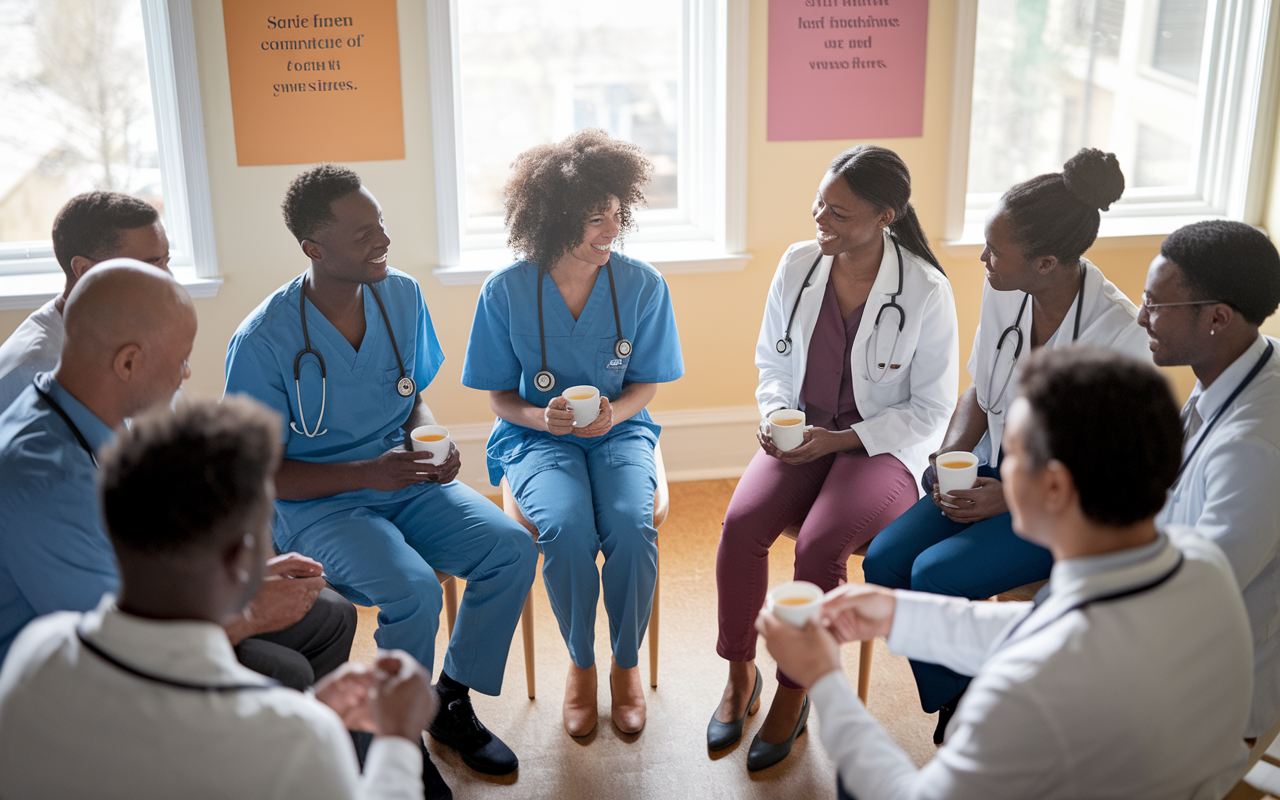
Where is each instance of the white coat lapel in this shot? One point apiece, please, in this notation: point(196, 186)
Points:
point(806, 316)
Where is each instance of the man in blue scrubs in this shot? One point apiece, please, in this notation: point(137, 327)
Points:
point(128, 334)
point(349, 494)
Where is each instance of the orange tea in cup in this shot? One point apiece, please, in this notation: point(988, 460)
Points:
point(431, 437)
point(953, 464)
point(793, 601)
point(579, 396)
point(786, 422)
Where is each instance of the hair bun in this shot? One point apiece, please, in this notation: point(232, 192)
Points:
point(1094, 178)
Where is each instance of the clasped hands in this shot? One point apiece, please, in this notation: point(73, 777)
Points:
point(399, 468)
point(394, 697)
point(290, 588)
point(559, 419)
point(984, 501)
point(850, 613)
point(818, 442)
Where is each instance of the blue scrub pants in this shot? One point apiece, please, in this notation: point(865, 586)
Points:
point(385, 555)
point(925, 551)
point(587, 497)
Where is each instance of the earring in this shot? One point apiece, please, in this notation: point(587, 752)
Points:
point(242, 575)
point(1212, 332)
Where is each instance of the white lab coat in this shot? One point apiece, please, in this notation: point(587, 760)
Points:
point(1142, 697)
point(1107, 319)
point(906, 413)
point(1227, 493)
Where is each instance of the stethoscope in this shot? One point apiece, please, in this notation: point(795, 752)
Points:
point(75, 429)
point(543, 380)
point(1116, 595)
point(172, 682)
point(1204, 434)
point(405, 386)
point(1016, 330)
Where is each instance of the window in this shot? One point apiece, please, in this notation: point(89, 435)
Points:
point(96, 96)
point(1164, 84)
point(509, 74)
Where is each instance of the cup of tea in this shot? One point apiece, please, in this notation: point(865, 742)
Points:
point(585, 402)
point(786, 428)
point(433, 440)
point(956, 470)
point(795, 603)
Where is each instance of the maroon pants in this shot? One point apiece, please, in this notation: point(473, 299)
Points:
point(845, 499)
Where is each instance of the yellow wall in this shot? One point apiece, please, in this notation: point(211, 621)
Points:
point(256, 253)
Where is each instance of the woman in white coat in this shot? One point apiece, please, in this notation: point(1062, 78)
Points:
point(859, 333)
point(1040, 292)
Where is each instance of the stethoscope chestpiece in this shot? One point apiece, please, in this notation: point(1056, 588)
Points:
point(622, 348)
point(544, 381)
point(783, 346)
point(405, 387)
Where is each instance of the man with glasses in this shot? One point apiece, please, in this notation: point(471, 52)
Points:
point(1207, 292)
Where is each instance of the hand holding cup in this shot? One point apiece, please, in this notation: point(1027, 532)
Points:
point(433, 440)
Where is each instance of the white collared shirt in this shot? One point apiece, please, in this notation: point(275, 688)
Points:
point(34, 346)
point(74, 725)
point(1143, 697)
point(1228, 493)
point(1107, 319)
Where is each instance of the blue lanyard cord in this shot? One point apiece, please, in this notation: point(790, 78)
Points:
point(176, 684)
point(1253, 373)
point(67, 419)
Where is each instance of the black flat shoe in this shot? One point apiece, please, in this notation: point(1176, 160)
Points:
point(722, 734)
point(763, 755)
point(457, 726)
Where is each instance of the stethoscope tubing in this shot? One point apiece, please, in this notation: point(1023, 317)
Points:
point(783, 345)
point(405, 386)
point(1217, 415)
point(62, 412)
point(544, 381)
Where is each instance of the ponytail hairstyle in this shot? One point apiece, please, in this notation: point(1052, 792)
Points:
point(879, 176)
point(1057, 214)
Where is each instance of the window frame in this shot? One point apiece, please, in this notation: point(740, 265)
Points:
point(713, 141)
point(29, 273)
point(1235, 163)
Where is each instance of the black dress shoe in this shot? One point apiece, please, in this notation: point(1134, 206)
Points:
point(762, 754)
point(722, 734)
point(433, 785)
point(456, 725)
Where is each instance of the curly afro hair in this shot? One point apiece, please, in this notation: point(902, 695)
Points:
point(309, 199)
point(555, 187)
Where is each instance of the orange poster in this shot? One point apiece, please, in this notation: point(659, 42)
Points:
point(314, 80)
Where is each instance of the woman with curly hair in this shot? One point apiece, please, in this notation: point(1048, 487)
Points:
point(574, 312)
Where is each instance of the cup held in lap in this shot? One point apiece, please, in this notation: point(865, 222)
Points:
point(585, 402)
point(433, 440)
point(956, 470)
point(786, 428)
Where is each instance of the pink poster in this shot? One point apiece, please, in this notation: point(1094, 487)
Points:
point(846, 69)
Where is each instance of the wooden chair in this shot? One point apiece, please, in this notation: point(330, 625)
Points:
point(661, 503)
point(867, 648)
point(1022, 594)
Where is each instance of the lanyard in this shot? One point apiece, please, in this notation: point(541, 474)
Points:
point(176, 684)
point(1253, 373)
point(1116, 595)
point(67, 419)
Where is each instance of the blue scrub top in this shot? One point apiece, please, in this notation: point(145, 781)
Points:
point(363, 413)
point(504, 351)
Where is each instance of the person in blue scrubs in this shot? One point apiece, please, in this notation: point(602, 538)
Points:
point(606, 321)
point(341, 353)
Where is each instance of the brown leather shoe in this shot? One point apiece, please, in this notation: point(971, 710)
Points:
point(580, 712)
point(627, 695)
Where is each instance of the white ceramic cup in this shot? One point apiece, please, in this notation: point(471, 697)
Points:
point(795, 603)
point(951, 478)
point(585, 402)
point(437, 448)
point(786, 428)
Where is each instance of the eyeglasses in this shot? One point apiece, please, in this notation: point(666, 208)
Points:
point(1152, 306)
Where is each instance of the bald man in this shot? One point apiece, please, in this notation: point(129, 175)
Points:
point(129, 331)
point(91, 228)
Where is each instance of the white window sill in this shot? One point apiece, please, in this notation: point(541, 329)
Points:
point(1113, 233)
point(674, 258)
point(30, 291)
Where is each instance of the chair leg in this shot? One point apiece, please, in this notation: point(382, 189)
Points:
point(653, 628)
point(451, 603)
point(864, 669)
point(526, 627)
